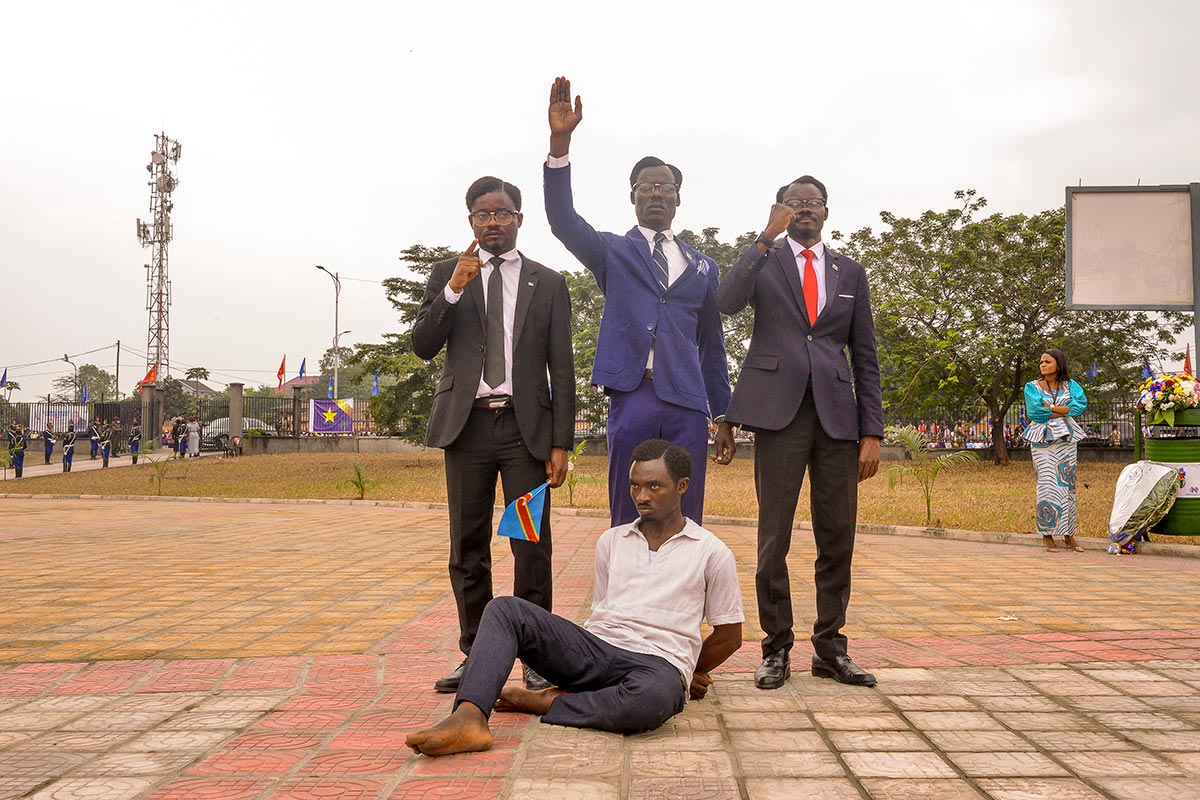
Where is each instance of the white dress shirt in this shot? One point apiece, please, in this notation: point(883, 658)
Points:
point(818, 250)
point(653, 602)
point(510, 274)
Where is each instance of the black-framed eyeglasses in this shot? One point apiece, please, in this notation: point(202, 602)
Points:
point(502, 217)
point(647, 187)
point(816, 202)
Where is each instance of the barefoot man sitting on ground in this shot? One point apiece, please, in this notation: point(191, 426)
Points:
point(633, 663)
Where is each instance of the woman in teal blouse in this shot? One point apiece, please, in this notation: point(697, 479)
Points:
point(1052, 403)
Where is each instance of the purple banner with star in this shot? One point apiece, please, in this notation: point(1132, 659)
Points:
point(331, 416)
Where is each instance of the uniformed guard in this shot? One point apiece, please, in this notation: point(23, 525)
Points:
point(135, 439)
point(16, 437)
point(48, 439)
point(94, 437)
point(181, 436)
point(68, 447)
point(105, 443)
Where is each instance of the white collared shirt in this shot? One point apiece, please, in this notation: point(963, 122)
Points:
point(818, 250)
point(510, 274)
point(654, 603)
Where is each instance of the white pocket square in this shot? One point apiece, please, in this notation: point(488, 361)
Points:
point(847, 295)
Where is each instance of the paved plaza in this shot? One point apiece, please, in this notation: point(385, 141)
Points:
point(230, 650)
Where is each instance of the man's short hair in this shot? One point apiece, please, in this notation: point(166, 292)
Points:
point(809, 179)
point(678, 460)
point(487, 184)
point(654, 161)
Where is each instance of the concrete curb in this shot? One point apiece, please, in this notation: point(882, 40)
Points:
point(916, 532)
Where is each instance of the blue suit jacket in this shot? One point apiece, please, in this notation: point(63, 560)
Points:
point(786, 351)
point(682, 323)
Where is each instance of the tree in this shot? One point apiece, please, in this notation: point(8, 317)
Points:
point(100, 385)
point(964, 307)
point(920, 463)
point(197, 374)
point(175, 400)
point(407, 403)
point(739, 326)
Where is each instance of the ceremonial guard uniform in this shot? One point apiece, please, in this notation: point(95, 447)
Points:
point(48, 439)
point(16, 438)
point(135, 440)
point(94, 437)
point(105, 443)
point(68, 448)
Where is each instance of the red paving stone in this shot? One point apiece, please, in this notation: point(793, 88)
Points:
point(309, 725)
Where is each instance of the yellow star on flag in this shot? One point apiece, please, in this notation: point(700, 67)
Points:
point(330, 415)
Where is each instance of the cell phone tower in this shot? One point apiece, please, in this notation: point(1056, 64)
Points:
point(156, 234)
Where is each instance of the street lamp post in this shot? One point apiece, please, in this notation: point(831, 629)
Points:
point(337, 361)
point(337, 291)
point(72, 363)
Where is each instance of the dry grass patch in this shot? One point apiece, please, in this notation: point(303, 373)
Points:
point(971, 497)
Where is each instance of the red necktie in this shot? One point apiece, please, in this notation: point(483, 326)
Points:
point(810, 286)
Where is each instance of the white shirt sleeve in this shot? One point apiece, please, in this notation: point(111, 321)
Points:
point(558, 162)
point(451, 297)
point(723, 593)
point(600, 579)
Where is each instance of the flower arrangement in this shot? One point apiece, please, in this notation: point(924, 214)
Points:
point(1161, 396)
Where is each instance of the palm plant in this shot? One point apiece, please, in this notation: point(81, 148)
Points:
point(920, 463)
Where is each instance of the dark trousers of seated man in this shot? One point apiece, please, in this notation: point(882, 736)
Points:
point(610, 689)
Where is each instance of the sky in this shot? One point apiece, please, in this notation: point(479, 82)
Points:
point(340, 135)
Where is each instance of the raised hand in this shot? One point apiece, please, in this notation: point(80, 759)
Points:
point(563, 118)
point(467, 267)
point(781, 218)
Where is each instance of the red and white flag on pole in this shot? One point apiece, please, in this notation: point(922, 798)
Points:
point(282, 368)
point(1187, 360)
point(151, 377)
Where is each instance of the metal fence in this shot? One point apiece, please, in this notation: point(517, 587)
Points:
point(971, 425)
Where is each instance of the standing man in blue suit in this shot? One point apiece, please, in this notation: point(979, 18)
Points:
point(810, 390)
point(661, 352)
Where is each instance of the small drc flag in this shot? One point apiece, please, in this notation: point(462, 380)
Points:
point(84, 398)
point(523, 517)
point(375, 385)
point(303, 362)
point(1146, 370)
point(329, 391)
point(4, 379)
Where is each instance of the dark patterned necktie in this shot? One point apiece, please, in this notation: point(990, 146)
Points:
point(660, 260)
point(493, 362)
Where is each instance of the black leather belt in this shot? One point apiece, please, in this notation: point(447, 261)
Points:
point(494, 401)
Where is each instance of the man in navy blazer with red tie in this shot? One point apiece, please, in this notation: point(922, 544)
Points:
point(810, 389)
point(660, 355)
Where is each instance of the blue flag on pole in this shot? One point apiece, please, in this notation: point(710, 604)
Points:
point(374, 386)
point(1092, 372)
point(303, 361)
point(83, 399)
point(523, 517)
point(329, 391)
point(1146, 370)
point(4, 378)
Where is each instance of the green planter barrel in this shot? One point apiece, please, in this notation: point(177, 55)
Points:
point(1184, 517)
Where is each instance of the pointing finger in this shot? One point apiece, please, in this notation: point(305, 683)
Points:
point(471, 247)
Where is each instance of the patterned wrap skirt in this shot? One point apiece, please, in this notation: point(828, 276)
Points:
point(1054, 464)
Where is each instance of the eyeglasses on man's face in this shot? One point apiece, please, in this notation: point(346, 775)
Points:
point(502, 217)
point(648, 187)
point(798, 204)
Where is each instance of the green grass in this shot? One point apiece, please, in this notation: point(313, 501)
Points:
point(972, 497)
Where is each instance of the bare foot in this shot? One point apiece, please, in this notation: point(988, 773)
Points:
point(517, 698)
point(464, 731)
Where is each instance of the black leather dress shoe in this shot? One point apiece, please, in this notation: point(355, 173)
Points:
point(449, 684)
point(775, 669)
point(533, 681)
point(842, 670)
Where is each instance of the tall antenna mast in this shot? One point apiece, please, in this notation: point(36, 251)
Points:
point(155, 235)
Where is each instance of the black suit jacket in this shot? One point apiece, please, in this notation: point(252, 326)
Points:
point(543, 367)
point(785, 349)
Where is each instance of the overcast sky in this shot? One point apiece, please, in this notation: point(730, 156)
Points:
point(341, 134)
